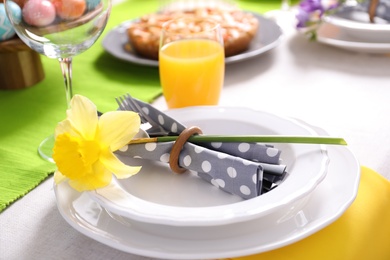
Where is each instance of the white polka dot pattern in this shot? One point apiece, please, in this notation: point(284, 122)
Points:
point(161, 119)
point(187, 160)
point(199, 149)
point(215, 183)
point(245, 190)
point(145, 110)
point(174, 128)
point(124, 148)
point(243, 147)
point(232, 172)
point(222, 155)
point(165, 157)
point(150, 147)
point(271, 152)
point(246, 162)
point(216, 145)
point(206, 166)
point(220, 182)
point(254, 178)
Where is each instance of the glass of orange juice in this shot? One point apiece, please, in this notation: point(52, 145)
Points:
point(191, 62)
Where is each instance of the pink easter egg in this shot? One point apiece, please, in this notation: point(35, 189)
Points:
point(39, 12)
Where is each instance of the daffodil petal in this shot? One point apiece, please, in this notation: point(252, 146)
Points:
point(119, 169)
point(117, 128)
point(58, 177)
point(98, 178)
point(83, 116)
point(66, 126)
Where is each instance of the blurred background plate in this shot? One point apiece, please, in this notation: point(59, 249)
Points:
point(335, 36)
point(354, 20)
point(268, 37)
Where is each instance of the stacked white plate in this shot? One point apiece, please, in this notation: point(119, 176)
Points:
point(160, 214)
point(349, 28)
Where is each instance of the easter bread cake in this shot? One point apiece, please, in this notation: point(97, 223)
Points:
point(238, 29)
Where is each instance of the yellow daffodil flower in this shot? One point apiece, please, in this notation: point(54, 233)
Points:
point(84, 145)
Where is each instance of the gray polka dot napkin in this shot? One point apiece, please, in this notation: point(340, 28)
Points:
point(243, 169)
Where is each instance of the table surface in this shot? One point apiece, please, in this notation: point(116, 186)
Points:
point(345, 93)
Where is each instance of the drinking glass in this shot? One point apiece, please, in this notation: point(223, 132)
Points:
point(191, 62)
point(58, 29)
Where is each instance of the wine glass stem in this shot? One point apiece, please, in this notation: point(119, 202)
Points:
point(285, 5)
point(66, 67)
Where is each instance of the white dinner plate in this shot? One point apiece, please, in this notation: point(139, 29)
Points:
point(156, 195)
point(335, 36)
point(326, 204)
point(268, 37)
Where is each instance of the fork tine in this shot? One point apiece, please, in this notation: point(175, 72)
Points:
point(120, 103)
point(124, 104)
point(129, 104)
point(138, 108)
point(158, 129)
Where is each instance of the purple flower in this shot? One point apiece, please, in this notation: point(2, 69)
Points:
point(302, 17)
point(306, 9)
point(311, 5)
point(309, 12)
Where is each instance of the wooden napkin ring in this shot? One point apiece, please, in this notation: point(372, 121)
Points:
point(178, 146)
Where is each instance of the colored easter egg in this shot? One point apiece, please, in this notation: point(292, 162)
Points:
point(91, 4)
point(39, 12)
point(70, 9)
point(15, 12)
point(6, 29)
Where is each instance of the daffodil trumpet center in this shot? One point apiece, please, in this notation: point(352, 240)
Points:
point(75, 156)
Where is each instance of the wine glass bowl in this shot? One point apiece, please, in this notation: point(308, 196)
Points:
point(59, 29)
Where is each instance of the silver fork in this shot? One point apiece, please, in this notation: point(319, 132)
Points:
point(126, 102)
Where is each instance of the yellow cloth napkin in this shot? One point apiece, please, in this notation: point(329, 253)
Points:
point(362, 232)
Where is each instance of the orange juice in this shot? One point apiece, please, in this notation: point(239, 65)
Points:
point(192, 72)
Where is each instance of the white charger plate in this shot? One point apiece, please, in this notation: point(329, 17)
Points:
point(335, 36)
point(156, 195)
point(326, 204)
point(268, 37)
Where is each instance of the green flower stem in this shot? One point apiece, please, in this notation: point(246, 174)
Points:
point(250, 139)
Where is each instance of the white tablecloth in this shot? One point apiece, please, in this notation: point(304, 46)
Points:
point(346, 93)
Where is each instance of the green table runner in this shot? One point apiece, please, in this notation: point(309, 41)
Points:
point(30, 115)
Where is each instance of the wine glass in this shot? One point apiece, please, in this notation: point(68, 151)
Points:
point(191, 62)
point(285, 5)
point(283, 13)
point(58, 29)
